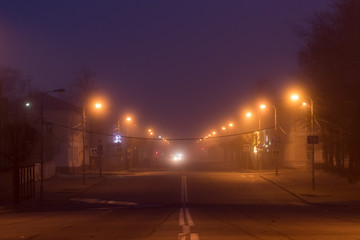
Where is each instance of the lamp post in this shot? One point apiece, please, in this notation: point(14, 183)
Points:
point(312, 143)
point(295, 97)
point(97, 105)
point(263, 106)
point(84, 146)
point(276, 135)
point(42, 141)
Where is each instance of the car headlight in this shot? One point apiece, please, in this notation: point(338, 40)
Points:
point(178, 157)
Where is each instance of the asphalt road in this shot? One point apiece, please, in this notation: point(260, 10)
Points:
point(181, 205)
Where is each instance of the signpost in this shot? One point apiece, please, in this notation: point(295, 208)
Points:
point(276, 155)
point(93, 152)
point(100, 150)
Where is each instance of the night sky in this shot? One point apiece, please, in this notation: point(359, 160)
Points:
point(182, 67)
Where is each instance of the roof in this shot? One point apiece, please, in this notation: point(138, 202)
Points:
point(50, 103)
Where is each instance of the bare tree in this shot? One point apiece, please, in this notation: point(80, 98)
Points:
point(82, 86)
point(329, 60)
point(13, 83)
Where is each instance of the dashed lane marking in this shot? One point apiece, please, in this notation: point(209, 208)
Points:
point(188, 218)
point(194, 236)
point(185, 219)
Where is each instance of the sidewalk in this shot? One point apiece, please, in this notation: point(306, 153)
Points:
point(58, 189)
point(330, 189)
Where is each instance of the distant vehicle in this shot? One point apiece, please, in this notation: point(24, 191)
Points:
point(177, 157)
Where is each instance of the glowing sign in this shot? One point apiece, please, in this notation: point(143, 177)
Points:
point(117, 139)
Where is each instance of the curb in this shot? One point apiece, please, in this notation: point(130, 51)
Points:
point(301, 198)
point(290, 192)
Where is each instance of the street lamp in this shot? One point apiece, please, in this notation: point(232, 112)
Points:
point(60, 90)
point(263, 106)
point(97, 106)
point(296, 97)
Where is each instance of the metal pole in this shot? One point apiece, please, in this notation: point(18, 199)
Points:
point(118, 126)
point(84, 146)
point(276, 135)
point(258, 152)
point(41, 149)
point(313, 145)
point(100, 152)
point(100, 167)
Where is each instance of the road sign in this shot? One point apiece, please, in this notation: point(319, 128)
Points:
point(246, 148)
point(312, 139)
point(275, 153)
point(93, 152)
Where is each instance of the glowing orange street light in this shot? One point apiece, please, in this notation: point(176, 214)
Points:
point(98, 105)
point(262, 106)
point(248, 114)
point(304, 104)
point(294, 97)
point(128, 119)
point(213, 132)
point(149, 130)
point(223, 128)
point(231, 124)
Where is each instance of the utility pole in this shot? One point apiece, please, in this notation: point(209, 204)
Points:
point(313, 144)
point(84, 145)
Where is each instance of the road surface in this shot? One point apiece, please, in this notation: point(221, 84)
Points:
point(180, 205)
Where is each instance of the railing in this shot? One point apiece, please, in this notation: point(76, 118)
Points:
point(24, 183)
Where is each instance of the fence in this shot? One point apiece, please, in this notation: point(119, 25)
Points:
point(24, 183)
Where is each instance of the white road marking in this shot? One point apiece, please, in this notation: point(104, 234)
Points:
point(99, 201)
point(194, 236)
point(188, 217)
point(181, 236)
point(185, 219)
